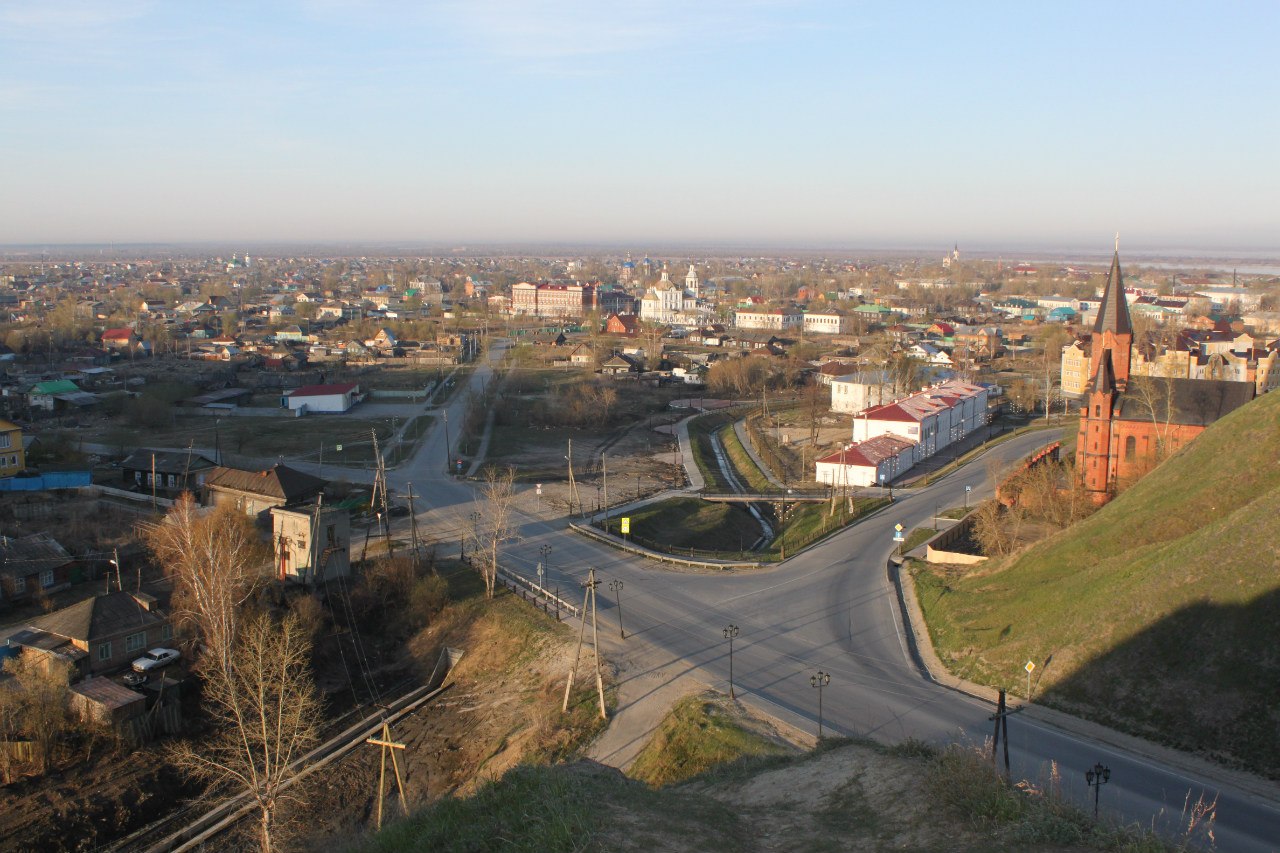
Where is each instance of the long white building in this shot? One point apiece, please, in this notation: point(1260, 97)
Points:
point(931, 419)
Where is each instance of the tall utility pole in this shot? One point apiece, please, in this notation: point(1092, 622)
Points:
point(588, 599)
point(388, 745)
point(413, 530)
point(573, 485)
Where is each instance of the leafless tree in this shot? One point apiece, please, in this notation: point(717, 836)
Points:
point(494, 504)
point(216, 562)
point(35, 705)
point(267, 714)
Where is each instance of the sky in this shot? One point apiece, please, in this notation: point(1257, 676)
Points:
point(770, 122)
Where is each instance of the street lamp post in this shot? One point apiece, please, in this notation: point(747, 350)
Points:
point(936, 507)
point(730, 632)
point(1097, 776)
point(545, 550)
point(821, 680)
point(616, 586)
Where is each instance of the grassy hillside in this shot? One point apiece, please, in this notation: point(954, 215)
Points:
point(1158, 614)
point(847, 795)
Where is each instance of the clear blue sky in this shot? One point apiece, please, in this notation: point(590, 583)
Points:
point(816, 123)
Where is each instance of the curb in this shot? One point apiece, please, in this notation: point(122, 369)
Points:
point(923, 655)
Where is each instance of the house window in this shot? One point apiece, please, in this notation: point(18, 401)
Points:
point(19, 585)
point(134, 642)
point(1130, 448)
point(137, 477)
point(173, 481)
point(5, 441)
point(46, 578)
point(104, 651)
point(166, 631)
point(1097, 411)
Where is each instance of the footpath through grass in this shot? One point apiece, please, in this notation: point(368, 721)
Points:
point(1157, 614)
point(699, 733)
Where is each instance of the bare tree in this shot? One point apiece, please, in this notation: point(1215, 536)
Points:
point(216, 563)
point(494, 504)
point(35, 705)
point(267, 714)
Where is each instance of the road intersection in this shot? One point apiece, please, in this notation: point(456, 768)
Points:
point(834, 608)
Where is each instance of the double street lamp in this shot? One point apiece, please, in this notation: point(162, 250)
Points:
point(1097, 776)
point(730, 632)
point(820, 680)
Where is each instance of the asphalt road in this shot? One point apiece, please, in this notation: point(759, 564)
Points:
point(832, 608)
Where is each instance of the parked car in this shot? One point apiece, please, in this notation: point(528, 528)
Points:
point(155, 659)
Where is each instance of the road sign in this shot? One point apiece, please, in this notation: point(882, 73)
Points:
point(898, 527)
point(339, 448)
point(1029, 667)
point(539, 489)
point(626, 524)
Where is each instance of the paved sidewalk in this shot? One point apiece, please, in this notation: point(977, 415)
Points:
point(740, 427)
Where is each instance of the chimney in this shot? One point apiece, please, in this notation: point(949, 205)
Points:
point(147, 602)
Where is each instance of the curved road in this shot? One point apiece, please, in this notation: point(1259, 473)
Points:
point(831, 608)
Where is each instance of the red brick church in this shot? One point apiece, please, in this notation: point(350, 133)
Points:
point(1127, 428)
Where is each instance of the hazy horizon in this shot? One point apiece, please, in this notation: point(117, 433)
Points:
point(752, 123)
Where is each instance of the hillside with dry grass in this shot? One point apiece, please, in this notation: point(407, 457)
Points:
point(1157, 614)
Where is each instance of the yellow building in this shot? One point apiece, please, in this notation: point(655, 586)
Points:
point(1075, 369)
point(12, 457)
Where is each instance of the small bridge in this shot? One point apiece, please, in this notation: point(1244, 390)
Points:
point(768, 497)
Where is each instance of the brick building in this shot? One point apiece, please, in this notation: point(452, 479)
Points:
point(1127, 427)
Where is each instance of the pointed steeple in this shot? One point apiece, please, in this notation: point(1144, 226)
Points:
point(1113, 311)
point(1104, 380)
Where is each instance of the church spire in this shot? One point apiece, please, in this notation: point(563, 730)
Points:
point(1113, 312)
point(1104, 381)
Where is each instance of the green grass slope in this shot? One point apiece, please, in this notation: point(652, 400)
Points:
point(1159, 614)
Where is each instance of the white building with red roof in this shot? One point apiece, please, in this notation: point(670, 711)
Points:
point(874, 462)
point(335, 398)
point(931, 419)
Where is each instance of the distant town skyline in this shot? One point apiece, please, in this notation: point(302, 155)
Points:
point(766, 123)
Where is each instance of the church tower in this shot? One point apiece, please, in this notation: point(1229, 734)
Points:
point(1111, 354)
point(691, 282)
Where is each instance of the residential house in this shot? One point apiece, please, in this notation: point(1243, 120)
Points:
point(13, 457)
point(32, 564)
point(622, 324)
point(620, 365)
point(119, 339)
point(58, 395)
point(99, 634)
point(166, 473)
point(255, 492)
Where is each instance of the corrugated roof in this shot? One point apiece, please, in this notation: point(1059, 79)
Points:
point(278, 481)
point(30, 555)
point(166, 461)
point(100, 616)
